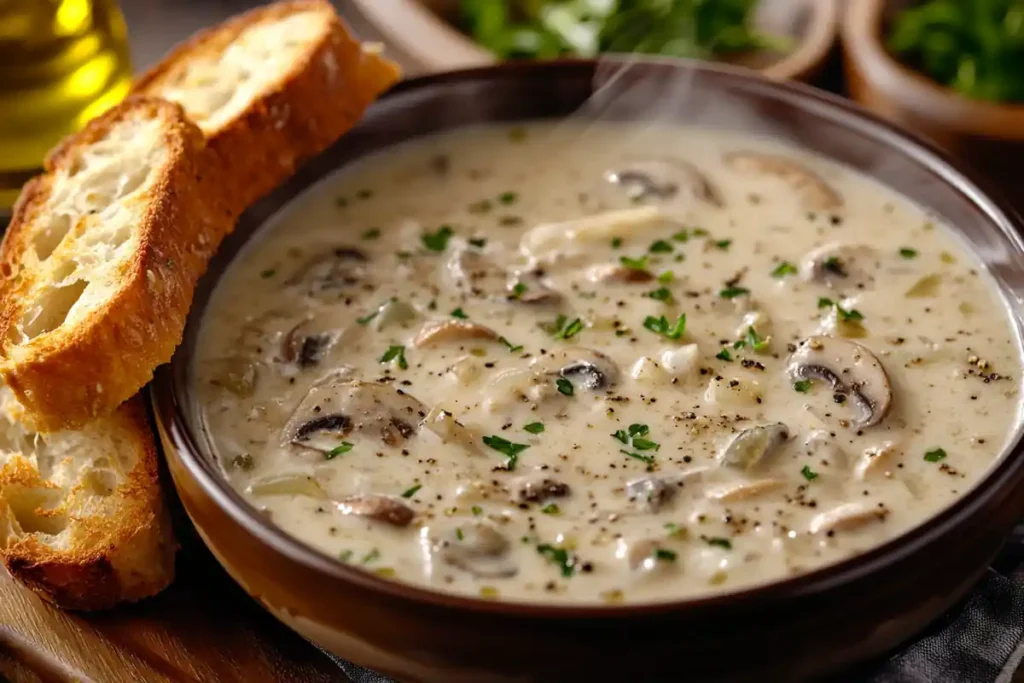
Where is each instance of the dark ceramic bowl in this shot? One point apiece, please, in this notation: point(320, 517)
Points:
point(794, 629)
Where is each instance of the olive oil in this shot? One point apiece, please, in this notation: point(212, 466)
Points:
point(62, 62)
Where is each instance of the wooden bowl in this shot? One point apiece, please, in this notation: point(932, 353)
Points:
point(424, 32)
point(790, 630)
point(987, 135)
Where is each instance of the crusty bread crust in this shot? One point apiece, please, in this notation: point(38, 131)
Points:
point(114, 548)
point(76, 372)
point(316, 100)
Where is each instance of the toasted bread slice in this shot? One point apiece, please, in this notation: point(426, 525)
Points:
point(100, 261)
point(272, 87)
point(82, 521)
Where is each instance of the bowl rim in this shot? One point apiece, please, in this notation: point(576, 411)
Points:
point(439, 46)
point(164, 392)
point(861, 32)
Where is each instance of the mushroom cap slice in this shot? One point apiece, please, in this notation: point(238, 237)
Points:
point(587, 369)
point(847, 517)
point(436, 332)
point(475, 274)
point(851, 369)
point(555, 242)
point(614, 272)
point(814, 193)
point(327, 274)
point(336, 407)
point(663, 180)
point(837, 263)
point(750, 446)
point(477, 548)
point(375, 506)
point(650, 494)
point(307, 343)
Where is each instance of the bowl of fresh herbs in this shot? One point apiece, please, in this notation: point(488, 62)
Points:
point(785, 39)
point(952, 70)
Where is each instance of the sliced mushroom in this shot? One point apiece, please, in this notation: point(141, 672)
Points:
point(537, 489)
point(394, 312)
point(587, 369)
point(443, 423)
point(650, 494)
point(841, 264)
point(663, 180)
point(821, 444)
point(646, 555)
point(875, 459)
point(750, 446)
point(307, 343)
point(477, 548)
point(852, 371)
point(327, 274)
point(235, 374)
point(335, 407)
point(377, 507)
point(847, 517)
point(743, 490)
point(476, 275)
point(555, 242)
point(815, 193)
point(444, 331)
point(615, 273)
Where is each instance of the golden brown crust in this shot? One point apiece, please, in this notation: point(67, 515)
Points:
point(322, 96)
point(77, 372)
point(120, 549)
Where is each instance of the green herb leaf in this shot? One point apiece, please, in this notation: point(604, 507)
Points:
point(724, 355)
point(345, 447)
point(718, 542)
point(565, 560)
point(809, 474)
point(410, 492)
point(394, 352)
point(476, 510)
point(665, 554)
point(534, 427)
point(514, 348)
point(802, 385)
point(371, 556)
point(682, 236)
point(666, 277)
point(267, 274)
point(852, 315)
point(660, 294)
point(506, 448)
point(754, 341)
point(371, 234)
point(569, 330)
point(733, 292)
point(345, 555)
point(634, 263)
point(660, 247)
point(935, 455)
point(550, 509)
point(458, 534)
point(616, 242)
point(825, 302)
point(783, 269)
point(478, 242)
point(908, 253)
point(437, 241)
point(723, 244)
point(459, 313)
point(649, 459)
point(564, 386)
point(662, 326)
point(518, 289)
point(507, 198)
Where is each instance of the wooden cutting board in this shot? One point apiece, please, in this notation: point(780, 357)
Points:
point(204, 629)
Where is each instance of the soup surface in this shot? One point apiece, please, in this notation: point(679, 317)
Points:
point(603, 364)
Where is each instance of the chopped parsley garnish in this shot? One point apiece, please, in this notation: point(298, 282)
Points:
point(518, 289)
point(718, 542)
point(411, 491)
point(783, 269)
point(634, 263)
point(371, 234)
point(724, 355)
point(682, 236)
point(514, 348)
point(802, 385)
point(755, 341)
point(345, 555)
point(507, 198)
point(908, 253)
point(834, 265)
point(370, 556)
point(506, 448)
point(437, 241)
point(478, 242)
point(660, 247)
point(660, 294)
point(733, 292)
point(666, 277)
point(665, 554)
point(616, 242)
point(649, 459)
point(662, 326)
point(460, 314)
point(851, 315)
point(534, 427)
point(700, 232)
point(935, 455)
point(476, 510)
point(723, 244)
point(368, 317)
point(550, 509)
point(395, 352)
point(345, 447)
point(567, 330)
point(560, 556)
point(564, 386)
point(458, 534)
point(824, 302)
point(809, 474)
point(268, 273)
point(674, 530)
point(633, 437)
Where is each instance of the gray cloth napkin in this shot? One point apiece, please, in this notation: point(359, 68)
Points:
point(981, 640)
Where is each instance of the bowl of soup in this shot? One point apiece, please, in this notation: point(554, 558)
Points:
point(579, 370)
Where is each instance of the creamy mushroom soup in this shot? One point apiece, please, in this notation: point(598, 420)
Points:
point(551, 363)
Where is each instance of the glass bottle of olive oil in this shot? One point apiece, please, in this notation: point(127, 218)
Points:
point(62, 62)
